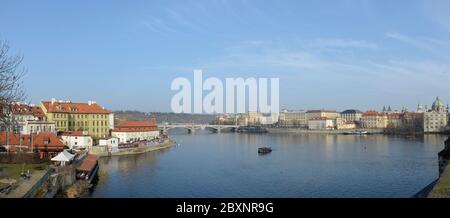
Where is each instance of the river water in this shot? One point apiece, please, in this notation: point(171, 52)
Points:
point(301, 165)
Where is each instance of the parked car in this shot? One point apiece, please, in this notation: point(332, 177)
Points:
point(3, 149)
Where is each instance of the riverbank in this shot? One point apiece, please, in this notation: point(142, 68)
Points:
point(101, 152)
point(307, 131)
point(441, 188)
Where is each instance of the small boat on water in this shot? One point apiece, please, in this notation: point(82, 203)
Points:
point(264, 150)
point(251, 129)
point(357, 133)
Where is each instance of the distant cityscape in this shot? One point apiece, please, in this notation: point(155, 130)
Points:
point(422, 120)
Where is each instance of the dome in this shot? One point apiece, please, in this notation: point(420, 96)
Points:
point(437, 104)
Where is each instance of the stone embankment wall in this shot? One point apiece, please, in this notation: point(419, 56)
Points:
point(102, 151)
point(59, 179)
point(442, 187)
point(307, 131)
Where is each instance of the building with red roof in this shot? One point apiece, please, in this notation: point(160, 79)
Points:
point(26, 119)
point(47, 144)
point(374, 120)
point(71, 116)
point(132, 131)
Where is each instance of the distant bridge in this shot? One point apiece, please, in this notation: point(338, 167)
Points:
point(192, 127)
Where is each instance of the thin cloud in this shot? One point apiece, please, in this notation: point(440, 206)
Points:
point(379, 73)
point(158, 25)
point(410, 40)
point(437, 47)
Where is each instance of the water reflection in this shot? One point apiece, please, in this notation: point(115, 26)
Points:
point(301, 165)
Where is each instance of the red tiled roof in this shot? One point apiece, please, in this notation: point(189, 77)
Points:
point(393, 116)
point(37, 112)
point(373, 113)
point(77, 108)
point(136, 126)
point(24, 109)
point(88, 164)
point(41, 141)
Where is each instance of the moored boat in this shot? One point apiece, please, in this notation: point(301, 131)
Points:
point(264, 150)
point(251, 129)
point(88, 168)
point(356, 133)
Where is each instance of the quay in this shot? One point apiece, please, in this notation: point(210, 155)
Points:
point(307, 131)
point(439, 188)
point(102, 151)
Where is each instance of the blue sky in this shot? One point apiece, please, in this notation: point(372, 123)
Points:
point(328, 54)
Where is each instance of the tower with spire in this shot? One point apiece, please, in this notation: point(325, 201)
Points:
point(420, 108)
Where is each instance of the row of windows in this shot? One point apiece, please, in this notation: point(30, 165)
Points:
point(100, 130)
point(43, 129)
point(85, 123)
point(82, 123)
point(436, 115)
point(427, 119)
point(437, 123)
point(61, 123)
point(79, 116)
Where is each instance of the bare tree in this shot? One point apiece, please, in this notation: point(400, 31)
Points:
point(11, 87)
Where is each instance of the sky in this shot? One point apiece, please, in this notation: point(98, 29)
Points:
point(328, 54)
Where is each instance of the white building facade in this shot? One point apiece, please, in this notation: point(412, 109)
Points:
point(293, 118)
point(77, 140)
point(321, 123)
point(436, 119)
point(133, 131)
point(111, 143)
point(352, 115)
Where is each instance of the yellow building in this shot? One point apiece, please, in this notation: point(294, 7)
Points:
point(69, 116)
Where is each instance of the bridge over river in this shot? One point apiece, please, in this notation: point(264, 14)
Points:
point(192, 127)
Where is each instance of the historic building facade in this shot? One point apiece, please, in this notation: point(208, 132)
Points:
point(436, 119)
point(133, 131)
point(321, 123)
point(70, 116)
point(293, 118)
point(374, 120)
point(330, 114)
point(351, 115)
point(28, 119)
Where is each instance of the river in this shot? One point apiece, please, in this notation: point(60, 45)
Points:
point(301, 165)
